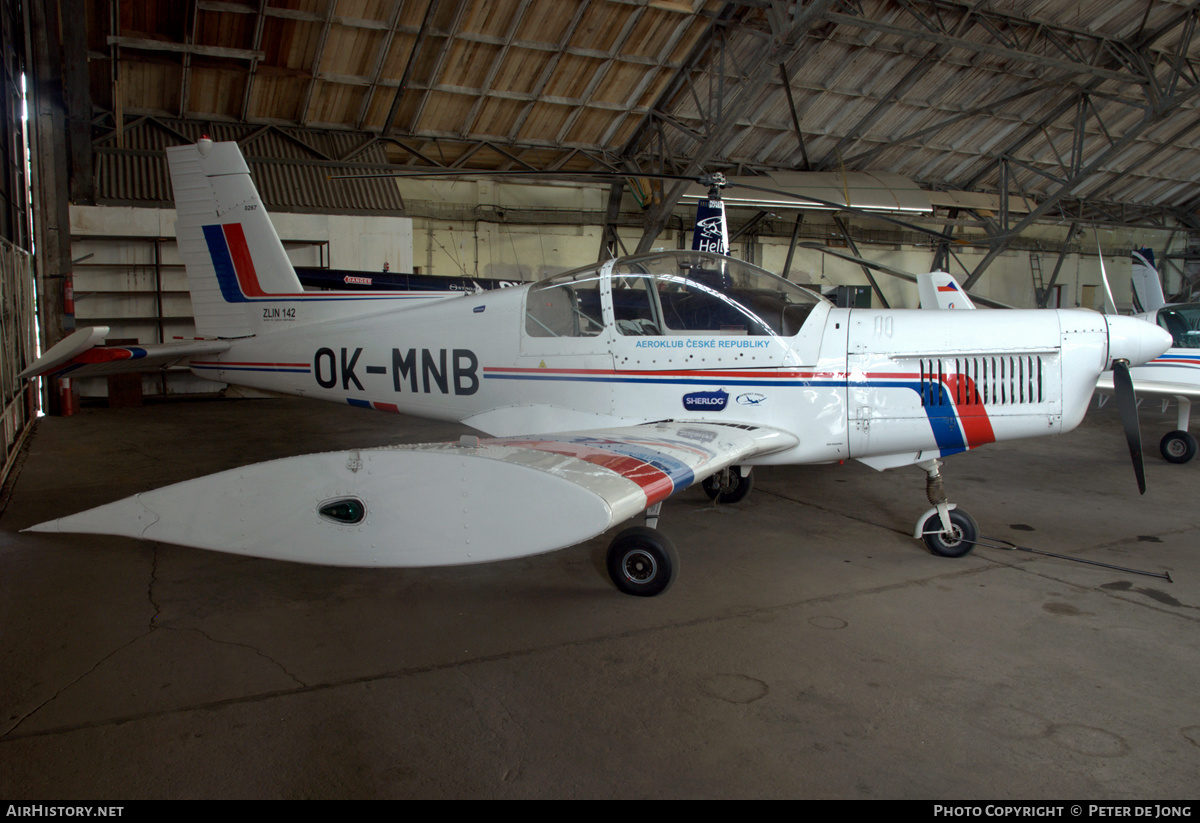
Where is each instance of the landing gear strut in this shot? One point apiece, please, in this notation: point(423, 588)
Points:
point(641, 560)
point(948, 531)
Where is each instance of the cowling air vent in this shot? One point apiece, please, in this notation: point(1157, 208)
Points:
point(1003, 380)
point(346, 510)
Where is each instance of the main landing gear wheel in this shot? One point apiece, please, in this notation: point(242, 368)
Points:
point(728, 485)
point(964, 531)
point(642, 562)
point(1177, 447)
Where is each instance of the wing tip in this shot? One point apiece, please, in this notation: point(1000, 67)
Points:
point(50, 526)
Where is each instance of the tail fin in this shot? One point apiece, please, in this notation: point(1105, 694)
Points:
point(1147, 288)
point(939, 290)
point(226, 239)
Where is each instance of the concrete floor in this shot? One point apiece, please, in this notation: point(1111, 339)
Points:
point(810, 648)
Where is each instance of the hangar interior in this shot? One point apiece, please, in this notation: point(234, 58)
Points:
point(1020, 145)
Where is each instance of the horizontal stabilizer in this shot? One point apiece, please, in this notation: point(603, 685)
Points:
point(65, 350)
point(80, 355)
point(431, 505)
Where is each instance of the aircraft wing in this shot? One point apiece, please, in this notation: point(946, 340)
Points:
point(82, 355)
point(476, 500)
point(1152, 388)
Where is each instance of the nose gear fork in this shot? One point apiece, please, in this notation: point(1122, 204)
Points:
point(947, 530)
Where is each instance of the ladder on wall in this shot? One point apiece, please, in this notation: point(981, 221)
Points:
point(1039, 284)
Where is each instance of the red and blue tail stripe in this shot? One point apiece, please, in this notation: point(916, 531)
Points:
point(239, 281)
point(232, 261)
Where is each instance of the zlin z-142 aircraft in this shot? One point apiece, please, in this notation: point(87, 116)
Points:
point(601, 392)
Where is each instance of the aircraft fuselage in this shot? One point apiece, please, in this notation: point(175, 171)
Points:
point(891, 387)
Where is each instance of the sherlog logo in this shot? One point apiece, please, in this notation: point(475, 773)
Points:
point(706, 400)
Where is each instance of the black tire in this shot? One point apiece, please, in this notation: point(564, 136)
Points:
point(965, 532)
point(735, 491)
point(1177, 446)
point(642, 562)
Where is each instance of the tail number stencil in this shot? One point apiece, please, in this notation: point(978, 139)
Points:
point(414, 370)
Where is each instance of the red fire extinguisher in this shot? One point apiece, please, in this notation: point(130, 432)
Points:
point(67, 404)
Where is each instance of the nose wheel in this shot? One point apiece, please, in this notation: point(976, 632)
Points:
point(948, 531)
point(955, 541)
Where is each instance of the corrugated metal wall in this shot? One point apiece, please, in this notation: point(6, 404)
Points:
point(291, 167)
point(17, 347)
point(17, 326)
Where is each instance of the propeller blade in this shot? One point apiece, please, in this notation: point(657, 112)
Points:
point(1127, 405)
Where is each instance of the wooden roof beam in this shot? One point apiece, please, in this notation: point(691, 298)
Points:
point(142, 44)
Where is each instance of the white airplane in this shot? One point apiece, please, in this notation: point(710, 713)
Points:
point(1175, 374)
point(603, 391)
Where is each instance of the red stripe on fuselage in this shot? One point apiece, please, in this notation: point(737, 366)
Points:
point(976, 426)
point(789, 374)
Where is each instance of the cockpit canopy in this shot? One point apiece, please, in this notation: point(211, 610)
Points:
point(1183, 322)
point(670, 293)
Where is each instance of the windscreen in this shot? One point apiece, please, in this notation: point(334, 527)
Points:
point(1183, 322)
point(697, 293)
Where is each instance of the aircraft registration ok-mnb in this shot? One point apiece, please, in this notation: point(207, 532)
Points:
point(603, 391)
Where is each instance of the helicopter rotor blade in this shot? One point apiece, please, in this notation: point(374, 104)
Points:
point(708, 180)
